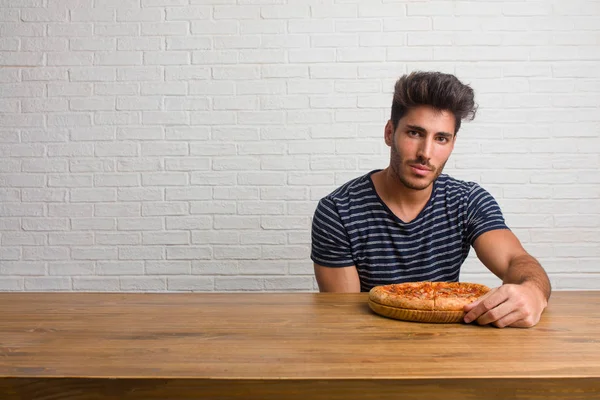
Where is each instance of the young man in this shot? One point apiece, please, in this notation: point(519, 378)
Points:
point(409, 222)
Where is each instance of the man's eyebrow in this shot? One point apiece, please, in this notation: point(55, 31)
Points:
point(421, 129)
point(416, 128)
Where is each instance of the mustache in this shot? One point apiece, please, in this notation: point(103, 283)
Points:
point(423, 162)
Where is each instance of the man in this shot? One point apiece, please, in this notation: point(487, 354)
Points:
point(409, 222)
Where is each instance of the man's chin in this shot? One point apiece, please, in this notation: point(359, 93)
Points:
point(416, 185)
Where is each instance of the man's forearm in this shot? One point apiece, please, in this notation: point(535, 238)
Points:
point(526, 269)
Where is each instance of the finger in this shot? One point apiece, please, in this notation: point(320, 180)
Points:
point(470, 306)
point(513, 319)
point(492, 301)
point(496, 313)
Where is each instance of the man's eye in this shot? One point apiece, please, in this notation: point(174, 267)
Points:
point(442, 139)
point(413, 133)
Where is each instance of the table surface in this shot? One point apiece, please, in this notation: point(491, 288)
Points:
point(281, 336)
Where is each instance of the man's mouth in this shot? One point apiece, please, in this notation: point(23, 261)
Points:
point(420, 169)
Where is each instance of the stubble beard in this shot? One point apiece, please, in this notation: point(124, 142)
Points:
point(397, 163)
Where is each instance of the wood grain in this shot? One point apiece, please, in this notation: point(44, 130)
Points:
point(227, 345)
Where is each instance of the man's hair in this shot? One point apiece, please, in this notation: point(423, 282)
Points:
point(441, 91)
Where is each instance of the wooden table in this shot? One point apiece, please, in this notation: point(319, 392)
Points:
point(284, 346)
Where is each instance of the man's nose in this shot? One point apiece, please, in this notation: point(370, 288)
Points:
point(425, 150)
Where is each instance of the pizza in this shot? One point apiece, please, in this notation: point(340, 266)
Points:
point(425, 301)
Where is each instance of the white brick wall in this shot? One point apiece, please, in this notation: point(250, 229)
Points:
point(182, 145)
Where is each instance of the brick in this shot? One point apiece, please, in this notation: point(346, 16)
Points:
point(190, 283)
point(236, 252)
point(45, 253)
point(43, 105)
point(236, 222)
point(138, 103)
point(140, 224)
point(189, 223)
point(44, 165)
point(91, 165)
point(190, 193)
point(118, 58)
point(187, 73)
point(80, 58)
point(295, 283)
point(167, 238)
point(118, 29)
point(21, 150)
point(117, 210)
point(124, 149)
point(71, 150)
point(67, 239)
point(136, 164)
point(236, 192)
point(95, 44)
point(168, 267)
point(224, 283)
point(262, 267)
point(188, 252)
point(20, 29)
point(164, 28)
point(45, 224)
point(21, 90)
point(164, 179)
point(10, 165)
point(21, 180)
point(212, 207)
point(96, 284)
point(166, 57)
point(139, 194)
point(72, 268)
point(187, 164)
point(69, 120)
point(165, 208)
point(141, 253)
point(112, 238)
point(139, 15)
point(72, 29)
point(86, 224)
point(44, 195)
point(143, 284)
point(43, 284)
point(44, 15)
point(139, 43)
point(70, 210)
point(215, 237)
point(10, 195)
point(10, 253)
point(262, 238)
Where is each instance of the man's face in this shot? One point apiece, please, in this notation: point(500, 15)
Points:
point(420, 146)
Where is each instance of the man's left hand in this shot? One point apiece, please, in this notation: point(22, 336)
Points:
point(516, 305)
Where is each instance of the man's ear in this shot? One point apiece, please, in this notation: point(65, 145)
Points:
point(389, 133)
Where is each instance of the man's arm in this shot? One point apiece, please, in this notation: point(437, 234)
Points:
point(524, 295)
point(341, 280)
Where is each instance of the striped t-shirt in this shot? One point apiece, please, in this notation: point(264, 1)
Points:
point(353, 226)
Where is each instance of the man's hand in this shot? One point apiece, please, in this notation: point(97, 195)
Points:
point(516, 305)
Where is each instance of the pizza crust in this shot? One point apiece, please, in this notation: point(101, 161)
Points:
point(438, 317)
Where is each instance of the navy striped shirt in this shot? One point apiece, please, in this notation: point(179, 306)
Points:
point(353, 226)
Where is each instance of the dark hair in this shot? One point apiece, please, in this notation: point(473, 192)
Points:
point(435, 89)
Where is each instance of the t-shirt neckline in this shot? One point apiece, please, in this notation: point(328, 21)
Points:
point(389, 211)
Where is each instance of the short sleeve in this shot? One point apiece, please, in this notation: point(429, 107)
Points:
point(483, 213)
point(330, 243)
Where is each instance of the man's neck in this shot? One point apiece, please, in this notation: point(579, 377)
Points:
point(405, 202)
